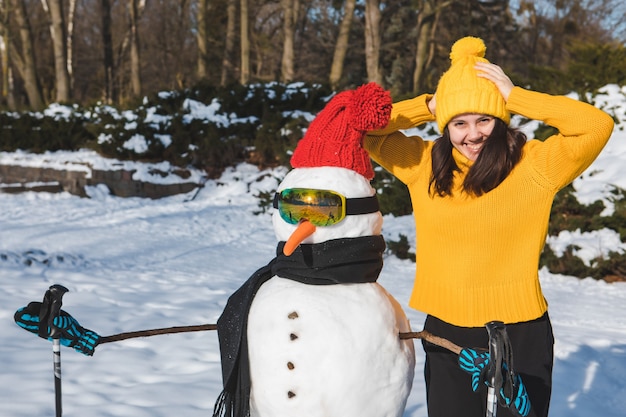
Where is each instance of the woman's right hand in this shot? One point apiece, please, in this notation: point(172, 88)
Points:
point(496, 75)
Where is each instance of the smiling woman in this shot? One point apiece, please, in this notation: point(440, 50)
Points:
point(482, 196)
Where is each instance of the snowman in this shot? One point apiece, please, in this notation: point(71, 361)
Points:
point(313, 334)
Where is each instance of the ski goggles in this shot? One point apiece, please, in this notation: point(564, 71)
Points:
point(320, 207)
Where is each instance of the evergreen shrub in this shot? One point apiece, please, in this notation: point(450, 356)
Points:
point(568, 214)
point(265, 120)
point(262, 123)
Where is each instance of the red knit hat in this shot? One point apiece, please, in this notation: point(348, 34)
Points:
point(334, 137)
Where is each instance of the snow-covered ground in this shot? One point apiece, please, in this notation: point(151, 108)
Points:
point(134, 264)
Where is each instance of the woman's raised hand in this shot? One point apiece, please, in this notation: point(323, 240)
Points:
point(496, 75)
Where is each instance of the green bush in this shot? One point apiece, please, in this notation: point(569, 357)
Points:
point(263, 124)
point(566, 264)
point(40, 133)
point(393, 195)
point(267, 118)
point(568, 214)
point(400, 248)
point(593, 66)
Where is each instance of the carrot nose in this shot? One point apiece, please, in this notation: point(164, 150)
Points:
point(305, 229)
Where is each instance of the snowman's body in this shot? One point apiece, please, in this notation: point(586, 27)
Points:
point(328, 350)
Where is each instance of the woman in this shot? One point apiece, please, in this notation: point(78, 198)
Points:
point(481, 197)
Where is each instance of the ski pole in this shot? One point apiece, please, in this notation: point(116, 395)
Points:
point(495, 329)
point(50, 309)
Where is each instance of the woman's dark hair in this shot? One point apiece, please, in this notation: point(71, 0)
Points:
point(500, 153)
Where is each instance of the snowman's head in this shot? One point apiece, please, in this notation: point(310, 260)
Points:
point(345, 186)
point(328, 193)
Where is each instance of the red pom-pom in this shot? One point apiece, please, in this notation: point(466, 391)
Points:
point(370, 107)
point(335, 136)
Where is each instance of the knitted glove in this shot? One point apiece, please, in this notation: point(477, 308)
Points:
point(474, 363)
point(518, 396)
point(72, 333)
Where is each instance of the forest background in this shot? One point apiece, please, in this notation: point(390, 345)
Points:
point(115, 51)
point(269, 65)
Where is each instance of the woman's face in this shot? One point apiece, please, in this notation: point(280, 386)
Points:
point(468, 133)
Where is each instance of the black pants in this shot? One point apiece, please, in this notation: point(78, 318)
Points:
point(449, 389)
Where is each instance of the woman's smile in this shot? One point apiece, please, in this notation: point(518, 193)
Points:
point(468, 133)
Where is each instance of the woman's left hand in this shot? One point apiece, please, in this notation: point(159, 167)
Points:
point(496, 75)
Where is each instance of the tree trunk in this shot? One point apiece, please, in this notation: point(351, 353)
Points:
point(134, 8)
point(244, 77)
point(341, 47)
point(110, 87)
point(229, 46)
point(372, 41)
point(25, 62)
point(71, 14)
point(201, 37)
point(4, 52)
point(287, 64)
point(7, 78)
point(58, 33)
point(425, 20)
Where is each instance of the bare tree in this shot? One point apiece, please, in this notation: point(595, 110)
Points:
point(341, 47)
point(290, 15)
point(244, 76)
point(69, 42)
point(202, 35)
point(58, 33)
point(427, 19)
point(372, 41)
point(135, 8)
point(229, 44)
point(7, 74)
point(7, 87)
point(24, 60)
point(110, 87)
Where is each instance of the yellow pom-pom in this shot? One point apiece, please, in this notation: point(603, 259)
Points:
point(468, 46)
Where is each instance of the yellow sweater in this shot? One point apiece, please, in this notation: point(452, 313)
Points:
point(477, 257)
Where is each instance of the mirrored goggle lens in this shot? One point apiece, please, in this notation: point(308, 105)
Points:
point(320, 207)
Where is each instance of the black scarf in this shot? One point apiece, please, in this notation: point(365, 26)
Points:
point(338, 261)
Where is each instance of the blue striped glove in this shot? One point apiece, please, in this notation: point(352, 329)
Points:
point(474, 363)
point(72, 333)
point(75, 336)
point(521, 402)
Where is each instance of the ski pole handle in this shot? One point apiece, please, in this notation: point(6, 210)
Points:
point(56, 295)
point(50, 308)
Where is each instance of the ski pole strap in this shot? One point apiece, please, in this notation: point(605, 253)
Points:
point(498, 340)
point(499, 353)
point(500, 374)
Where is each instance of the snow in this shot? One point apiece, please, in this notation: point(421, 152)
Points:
point(133, 264)
point(593, 245)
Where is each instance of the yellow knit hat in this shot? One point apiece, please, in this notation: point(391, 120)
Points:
point(460, 90)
